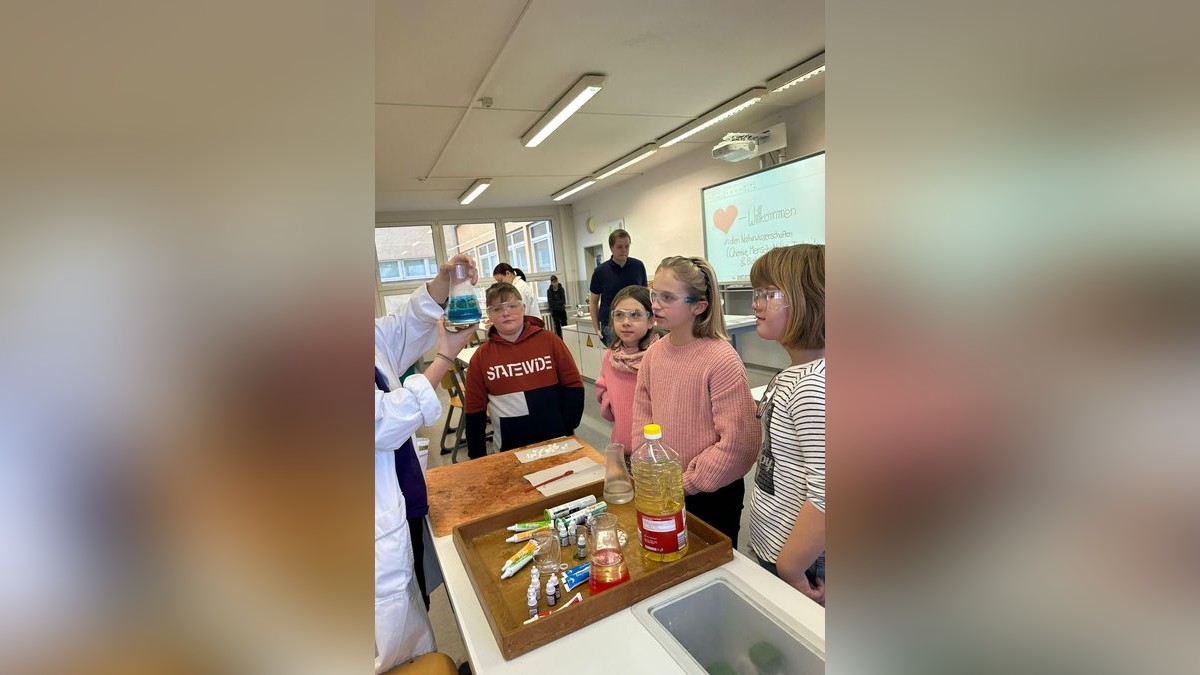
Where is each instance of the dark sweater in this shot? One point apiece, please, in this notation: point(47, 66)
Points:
point(531, 388)
point(557, 299)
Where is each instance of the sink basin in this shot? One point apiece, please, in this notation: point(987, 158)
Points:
point(723, 626)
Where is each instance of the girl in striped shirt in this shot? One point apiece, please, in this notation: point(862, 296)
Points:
point(787, 511)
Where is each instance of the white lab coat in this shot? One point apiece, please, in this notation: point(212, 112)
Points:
point(528, 297)
point(402, 629)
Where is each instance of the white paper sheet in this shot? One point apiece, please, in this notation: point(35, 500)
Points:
point(549, 450)
point(587, 470)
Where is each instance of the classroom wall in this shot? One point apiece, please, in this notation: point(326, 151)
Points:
point(661, 207)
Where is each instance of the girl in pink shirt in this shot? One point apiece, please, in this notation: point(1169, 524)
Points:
point(693, 384)
point(633, 322)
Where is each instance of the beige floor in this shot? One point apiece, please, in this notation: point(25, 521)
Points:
point(594, 430)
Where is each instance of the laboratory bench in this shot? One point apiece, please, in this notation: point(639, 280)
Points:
point(626, 641)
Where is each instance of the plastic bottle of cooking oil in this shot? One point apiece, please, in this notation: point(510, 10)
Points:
point(658, 497)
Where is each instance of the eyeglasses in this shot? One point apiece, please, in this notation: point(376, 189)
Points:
point(635, 315)
point(504, 308)
point(665, 298)
point(774, 298)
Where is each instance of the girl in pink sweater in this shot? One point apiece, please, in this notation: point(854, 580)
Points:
point(694, 385)
point(633, 321)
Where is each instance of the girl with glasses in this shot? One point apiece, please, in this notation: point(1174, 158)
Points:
point(787, 509)
point(632, 321)
point(523, 376)
point(693, 384)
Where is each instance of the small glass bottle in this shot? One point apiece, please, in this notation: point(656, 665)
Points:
point(581, 552)
point(531, 602)
point(463, 308)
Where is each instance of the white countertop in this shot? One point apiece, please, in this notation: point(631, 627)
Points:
point(628, 646)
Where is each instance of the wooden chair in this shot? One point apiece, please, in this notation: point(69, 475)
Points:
point(452, 382)
point(453, 386)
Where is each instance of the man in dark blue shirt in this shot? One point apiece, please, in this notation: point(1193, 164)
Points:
point(611, 276)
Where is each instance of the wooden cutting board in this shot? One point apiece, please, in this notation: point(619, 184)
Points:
point(459, 493)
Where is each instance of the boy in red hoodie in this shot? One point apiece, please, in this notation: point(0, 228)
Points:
point(524, 375)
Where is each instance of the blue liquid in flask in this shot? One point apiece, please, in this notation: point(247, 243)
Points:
point(463, 310)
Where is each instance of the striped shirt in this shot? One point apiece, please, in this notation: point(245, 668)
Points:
point(791, 467)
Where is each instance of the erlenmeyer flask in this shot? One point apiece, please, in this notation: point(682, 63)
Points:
point(608, 561)
point(618, 484)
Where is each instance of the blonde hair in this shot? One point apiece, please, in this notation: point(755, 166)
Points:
point(798, 271)
point(701, 281)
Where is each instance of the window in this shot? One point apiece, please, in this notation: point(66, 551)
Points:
point(531, 243)
point(488, 258)
point(543, 247)
point(516, 247)
point(539, 288)
point(405, 253)
point(477, 240)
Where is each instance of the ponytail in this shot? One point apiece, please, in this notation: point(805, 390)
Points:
point(505, 268)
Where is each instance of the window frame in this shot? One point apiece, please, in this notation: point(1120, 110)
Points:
point(499, 223)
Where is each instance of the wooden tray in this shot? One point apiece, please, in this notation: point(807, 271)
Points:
point(483, 550)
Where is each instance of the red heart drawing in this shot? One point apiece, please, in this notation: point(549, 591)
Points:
point(723, 218)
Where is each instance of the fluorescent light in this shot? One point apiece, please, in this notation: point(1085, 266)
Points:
point(573, 100)
point(567, 192)
point(797, 74)
point(628, 160)
point(713, 116)
point(474, 191)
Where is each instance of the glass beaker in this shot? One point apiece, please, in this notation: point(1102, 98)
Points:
point(618, 484)
point(546, 559)
point(463, 308)
point(608, 561)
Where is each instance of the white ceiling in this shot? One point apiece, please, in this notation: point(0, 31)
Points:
point(666, 62)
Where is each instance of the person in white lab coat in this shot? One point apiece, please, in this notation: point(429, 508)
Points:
point(402, 629)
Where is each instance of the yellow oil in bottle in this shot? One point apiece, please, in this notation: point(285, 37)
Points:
point(658, 497)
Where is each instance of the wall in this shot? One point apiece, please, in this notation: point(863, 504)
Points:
point(661, 208)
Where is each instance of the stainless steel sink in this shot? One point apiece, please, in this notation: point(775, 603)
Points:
point(722, 625)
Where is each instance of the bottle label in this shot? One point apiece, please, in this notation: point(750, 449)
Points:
point(663, 534)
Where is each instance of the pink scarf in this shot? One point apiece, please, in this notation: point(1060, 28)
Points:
point(628, 362)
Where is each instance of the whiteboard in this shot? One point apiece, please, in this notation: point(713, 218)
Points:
point(748, 216)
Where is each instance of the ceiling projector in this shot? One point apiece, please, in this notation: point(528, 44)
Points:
point(736, 147)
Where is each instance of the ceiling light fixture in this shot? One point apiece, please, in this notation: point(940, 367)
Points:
point(474, 191)
point(797, 74)
point(587, 87)
point(628, 160)
point(713, 116)
point(567, 192)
